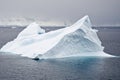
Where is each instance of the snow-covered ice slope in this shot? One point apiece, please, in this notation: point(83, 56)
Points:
point(77, 40)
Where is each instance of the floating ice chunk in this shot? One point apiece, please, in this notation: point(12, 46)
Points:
point(77, 40)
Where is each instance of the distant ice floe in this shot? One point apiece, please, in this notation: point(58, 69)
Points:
point(77, 40)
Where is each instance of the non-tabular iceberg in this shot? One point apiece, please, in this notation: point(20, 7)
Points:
point(77, 40)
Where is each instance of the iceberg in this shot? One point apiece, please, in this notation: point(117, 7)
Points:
point(76, 40)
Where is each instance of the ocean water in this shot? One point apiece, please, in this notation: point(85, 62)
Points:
point(15, 67)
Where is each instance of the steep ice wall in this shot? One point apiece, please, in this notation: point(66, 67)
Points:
point(77, 40)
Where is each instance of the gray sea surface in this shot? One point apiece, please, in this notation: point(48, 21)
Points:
point(15, 67)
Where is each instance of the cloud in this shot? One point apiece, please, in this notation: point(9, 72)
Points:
point(102, 12)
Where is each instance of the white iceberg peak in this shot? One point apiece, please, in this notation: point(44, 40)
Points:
point(32, 29)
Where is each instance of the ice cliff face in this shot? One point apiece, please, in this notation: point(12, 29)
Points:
point(77, 40)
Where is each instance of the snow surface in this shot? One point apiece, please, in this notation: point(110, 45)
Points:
point(77, 40)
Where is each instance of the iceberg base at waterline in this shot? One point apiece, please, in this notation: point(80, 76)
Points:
point(76, 40)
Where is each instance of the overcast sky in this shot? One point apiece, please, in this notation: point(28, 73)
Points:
point(101, 12)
